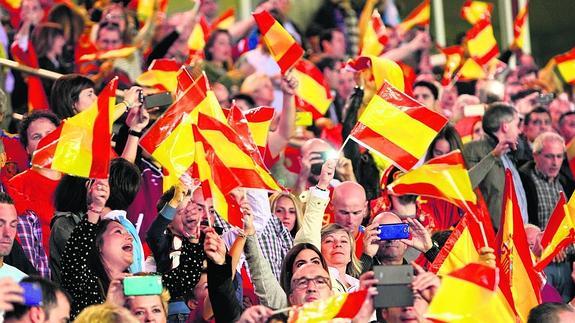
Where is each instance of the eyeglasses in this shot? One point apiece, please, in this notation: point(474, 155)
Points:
point(319, 282)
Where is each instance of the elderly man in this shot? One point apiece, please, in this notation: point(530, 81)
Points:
point(490, 158)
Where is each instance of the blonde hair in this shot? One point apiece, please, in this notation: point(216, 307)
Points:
point(354, 266)
point(254, 81)
point(274, 199)
point(164, 299)
point(105, 313)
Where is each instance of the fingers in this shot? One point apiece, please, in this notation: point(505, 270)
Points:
point(418, 268)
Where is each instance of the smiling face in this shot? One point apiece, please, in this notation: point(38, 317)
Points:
point(117, 246)
point(336, 248)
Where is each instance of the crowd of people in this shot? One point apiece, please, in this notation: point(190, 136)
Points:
point(80, 240)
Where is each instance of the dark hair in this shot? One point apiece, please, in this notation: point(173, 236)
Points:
point(111, 26)
point(95, 258)
point(537, 110)
point(327, 35)
point(71, 22)
point(434, 90)
point(495, 115)
point(547, 312)
point(212, 40)
point(49, 298)
point(6, 199)
point(70, 195)
point(31, 117)
point(66, 92)
point(449, 134)
point(125, 179)
point(287, 265)
point(326, 62)
point(44, 36)
point(565, 115)
point(245, 97)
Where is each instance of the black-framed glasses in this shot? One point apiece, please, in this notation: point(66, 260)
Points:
point(319, 282)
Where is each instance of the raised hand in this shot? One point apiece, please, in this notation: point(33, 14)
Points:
point(420, 237)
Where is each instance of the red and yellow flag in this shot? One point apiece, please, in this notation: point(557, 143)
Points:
point(145, 8)
point(168, 139)
point(198, 37)
point(419, 16)
point(565, 67)
point(519, 282)
point(480, 302)
point(37, 98)
point(259, 122)
point(444, 177)
point(470, 71)
point(284, 49)
point(162, 74)
point(398, 127)
point(225, 20)
point(374, 37)
point(481, 43)
point(519, 26)
point(344, 306)
point(108, 54)
point(379, 69)
point(474, 11)
point(453, 59)
point(559, 233)
point(464, 127)
point(312, 93)
point(81, 145)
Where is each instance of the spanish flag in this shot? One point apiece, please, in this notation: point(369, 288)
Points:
point(37, 98)
point(145, 8)
point(481, 43)
point(162, 74)
point(474, 11)
point(199, 37)
point(169, 139)
point(565, 67)
point(374, 37)
point(225, 20)
point(444, 177)
point(559, 233)
point(13, 10)
point(470, 71)
point(519, 282)
point(464, 127)
point(365, 18)
point(284, 49)
point(519, 28)
point(344, 306)
point(259, 121)
point(312, 93)
point(480, 299)
point(453, 59)
point(397, 127)
point(420, 16)
point(109, 54)
point(379, 70)
point(81, 145)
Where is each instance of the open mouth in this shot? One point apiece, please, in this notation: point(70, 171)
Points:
point(128, 247)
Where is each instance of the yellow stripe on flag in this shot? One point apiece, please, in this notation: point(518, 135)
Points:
point(462, 253)
point(311, 91)
point(376, 120)
point(482, 43)
point(260, 132)
point(471, 70)
point(276, 40)
point(196, 41)
point(567, 70)
point(168, 79)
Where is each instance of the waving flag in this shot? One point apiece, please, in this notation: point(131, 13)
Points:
point(374, 37)
point(444, 177)
point(312, 93)
point(109, 54)
point(398, 127)
point(345, 306)
point(259, 121)
point(520, 26)
point(453, 59)
point(37, 98)
point(565, 67)
point(470, 71)
point(145, 8)
point(284, 49)
point(520, 282)
point(225, 20)
point(474, 11)
point(559, 233)
point(81, 145)
point(380, 70)
point(481, 43)
point(162, 74)
point(464, 127)
point(198, 37)
point(420, 16)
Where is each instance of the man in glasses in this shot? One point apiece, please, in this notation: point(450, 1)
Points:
point(310, 283)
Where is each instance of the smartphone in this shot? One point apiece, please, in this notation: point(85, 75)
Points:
point(162, 99)
point(142, 285)
point(32, 294)
point(394, 231)
point(393, 286)
point(545, 99)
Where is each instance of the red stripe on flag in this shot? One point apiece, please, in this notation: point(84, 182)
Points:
point(478, 28)
point(164, 64)
point(101, 141)
point(260, 114)
point(47, 148)
point(290, 57)
point(426, 189)
point(264, 20)
point(352, 304)
point(477, 274)
point(377, 142)
point(565, 57)
point(311, 70)
point(488, 56)
point(306, 106)
point(430, 118)
point(554, 221)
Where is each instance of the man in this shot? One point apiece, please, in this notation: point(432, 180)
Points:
point(536, 122)
point(109, 37)
point(558, 107)
point(8, 224)
point(490, 160)
point(349, 205)
point(427, 94)
point(55, 305)
point(312, 157)
point(552, 313)
point(332, 44)
point(33, 192)
point(567, 126)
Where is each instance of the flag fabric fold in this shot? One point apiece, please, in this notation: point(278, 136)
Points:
point(481, 42)
point(282, 46)
point(474, 11)
point(419, 16)
point(565, 66)
point(397, 127)
point(81, 145)
point(161, 74)
point(345, 305)
point(375, 36)
point(109, 54)
point(453, 59)
point(471, 70)
point(380, 70)
point(520, 26)
point(559, 233)
point(312, 93)
point(198, 38)
point(225, 20)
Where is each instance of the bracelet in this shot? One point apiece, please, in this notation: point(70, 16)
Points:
point(135, 133)
point(91, 209)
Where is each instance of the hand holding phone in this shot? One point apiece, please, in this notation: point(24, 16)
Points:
point(32, 294)
point(394, 286)
point(142, 285)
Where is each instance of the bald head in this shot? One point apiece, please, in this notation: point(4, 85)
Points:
point(350, 205)
point(314, 145)
point(386, 218)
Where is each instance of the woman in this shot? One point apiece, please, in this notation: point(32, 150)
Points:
point(288, 209)
point(100, 251)
point(105, 313)
point(149, 308)
point(338, 246)
point(218, 62)
point(48, 41)
point(72, 94)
